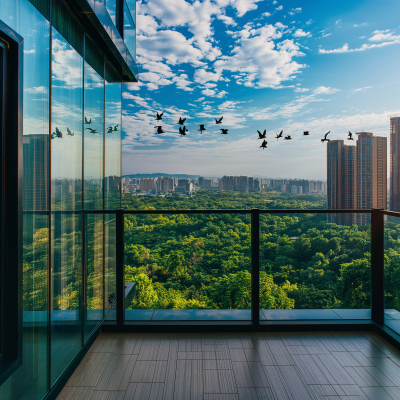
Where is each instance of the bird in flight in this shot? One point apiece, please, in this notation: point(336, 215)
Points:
point(116, 128)
point(159, 116)
point(306, 133)
point(224, 131)
point(88, 121)
point(69, 132)
point(202, 128)
point(350, 136)
point(218, 121)
point(280, 134)
point(53, 135)
point(110, 129)
point(59, 133)
point(264, 144)
point(325, 138)
point(183, 130)
point(262, 135)
point(288, 137)
point(94, 131)
point(159, 130)
point(181, 121)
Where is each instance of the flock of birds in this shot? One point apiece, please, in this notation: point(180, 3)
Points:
point(288, 137)
point(183, 130)
point(58, 134)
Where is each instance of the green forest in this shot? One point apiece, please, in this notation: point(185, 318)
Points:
point(204, 260)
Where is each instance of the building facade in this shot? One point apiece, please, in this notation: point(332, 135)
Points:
point(75, 56)
point(394, 164)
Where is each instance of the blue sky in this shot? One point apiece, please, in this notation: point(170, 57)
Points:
point(291, 65)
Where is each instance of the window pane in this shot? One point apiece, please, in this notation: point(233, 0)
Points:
point(111, 8)
point(129, 32)
point(66, 146)
point(132, 8)
point(30, 380)
point(93, 185)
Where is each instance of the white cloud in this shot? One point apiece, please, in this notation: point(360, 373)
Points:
point(266, 14)
point(345, 48)
point(301, 33)
point(361, 89)
point(261, 62)
point(31, 51)
point(380, 36)
point(37, 89)
point(227, 20)
point(325, 90)
point(326, 34)
point(279, 8)
point(362, 24)
point(299, 89)
point(295, 10)
point(182, 82)
point(203, 76)
point(309, 22)
point(137, 99)
point(338, 22)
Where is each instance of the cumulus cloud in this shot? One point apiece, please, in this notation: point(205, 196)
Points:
point(301, 33)
point(380, 36)
point(295, 11)
point(260, 62)
point(279, 8)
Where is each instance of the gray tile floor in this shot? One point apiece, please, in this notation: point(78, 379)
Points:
point(240, 366)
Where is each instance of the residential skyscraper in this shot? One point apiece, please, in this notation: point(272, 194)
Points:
point(341, 180)
point(394, 164)
point(371, 173)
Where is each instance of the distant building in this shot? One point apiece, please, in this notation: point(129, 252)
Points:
point(371, 173)
point(165, 184)
point(184, 184)
point(207, 183)
point(242, 183)
point(227, 183)
point(341, 180)
point(296, 189)
point(317, 187)
point(148, 185)
point(395, 164)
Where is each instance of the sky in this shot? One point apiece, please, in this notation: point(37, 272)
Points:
point(263, 65)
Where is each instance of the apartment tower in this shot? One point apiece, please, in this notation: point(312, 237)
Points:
point(394, 164)
point(371, 173)
point(341, 180)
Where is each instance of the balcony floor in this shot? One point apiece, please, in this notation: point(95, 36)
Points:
point(240, 366)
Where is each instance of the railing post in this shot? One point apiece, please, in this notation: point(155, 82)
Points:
point(120, 261)
point(255, 266)
point(377, 266)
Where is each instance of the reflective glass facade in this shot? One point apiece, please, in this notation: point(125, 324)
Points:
point(72, 124)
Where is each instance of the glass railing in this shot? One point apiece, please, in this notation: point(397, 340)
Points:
point(392, 272)
point(244, 266)
point(187, 267)
point(314, 266)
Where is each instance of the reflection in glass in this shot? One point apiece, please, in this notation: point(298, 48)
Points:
point(66, 190)
point(30, 380)
point(129, 32)
point(93, 184)
point(110, 293)
point(132, 8)
point(111, 8)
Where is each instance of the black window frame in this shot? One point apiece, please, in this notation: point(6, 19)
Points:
point(11, 204)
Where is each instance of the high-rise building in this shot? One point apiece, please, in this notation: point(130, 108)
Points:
point(165, 184)
point(207, 183)
point(242, 183)
point(341, 180)
point(147, 185)
point(186, 185)
point(371, 173)
point(228, 183)
point(394, 201)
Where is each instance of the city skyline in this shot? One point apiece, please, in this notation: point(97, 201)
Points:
point(301, 71)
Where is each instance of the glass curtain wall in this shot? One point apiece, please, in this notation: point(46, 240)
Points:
point(111, 6)
point(93, 183)
point(66, 188)
point(129, 31)
point(112, 177)
point(30, 380)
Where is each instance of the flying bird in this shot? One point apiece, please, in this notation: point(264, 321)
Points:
point(110, 129)
point(94, 131)
point(159, 130)
point(218, 121)
point(59, 133)
point(280, 134)
point(224, 131)
point(183, 130)
point(288, 137)
point(116, 128)
point(69, 132)
point(53, 135)
point(350, 136)
point(88, 121)
point(159, 116)
point(264, 144)
point(306, 133)
point(181, 121)
point(202, 128)
point(325, 139)
point(262, 135)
